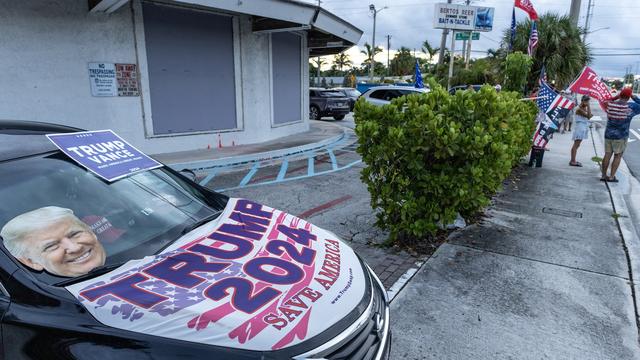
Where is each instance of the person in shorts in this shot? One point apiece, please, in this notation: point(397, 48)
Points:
point(569, 119)
point(581, 129)
point(620, 111)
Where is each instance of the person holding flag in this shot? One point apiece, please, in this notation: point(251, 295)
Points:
point(581, 131)
point(554, 106)
point(620, 111)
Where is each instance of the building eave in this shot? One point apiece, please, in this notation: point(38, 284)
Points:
point(328, 33)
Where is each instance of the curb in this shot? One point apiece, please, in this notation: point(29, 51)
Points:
point(256, 157)
point(627, 211)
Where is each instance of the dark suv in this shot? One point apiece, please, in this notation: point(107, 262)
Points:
point(352, 94)
point(327, 102)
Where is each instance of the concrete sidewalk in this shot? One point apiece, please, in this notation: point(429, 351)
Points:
point(320, 134)
point(546, 275)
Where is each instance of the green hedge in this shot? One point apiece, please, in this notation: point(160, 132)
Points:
point(431, 156)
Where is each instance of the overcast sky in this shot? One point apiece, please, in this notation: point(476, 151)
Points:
point(410, 22)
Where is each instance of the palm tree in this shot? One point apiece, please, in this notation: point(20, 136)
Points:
point(341, 60)
point(560, 47)
point(429, 50)
point(403, 62)
point(318, 62)
point(370, 53)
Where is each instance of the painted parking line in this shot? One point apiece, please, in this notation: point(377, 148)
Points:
point(249, 175)
point(283, 169)
point(208, 178)
point(323, 207)
point(635, 133)
point(310, 165)
point(334, 162)
point(290, 178)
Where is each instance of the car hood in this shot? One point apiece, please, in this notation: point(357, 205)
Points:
point(255, 278)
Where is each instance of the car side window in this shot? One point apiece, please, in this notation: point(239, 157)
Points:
point(3, 292)
point(392, 94)
point(378, 94)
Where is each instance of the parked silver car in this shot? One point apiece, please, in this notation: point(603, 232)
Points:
point(382, 95)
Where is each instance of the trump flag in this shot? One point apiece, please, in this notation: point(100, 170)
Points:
point(589, 83)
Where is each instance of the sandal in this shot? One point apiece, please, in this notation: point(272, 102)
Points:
point(603, 179)
point(577, 163)
point(613, 179)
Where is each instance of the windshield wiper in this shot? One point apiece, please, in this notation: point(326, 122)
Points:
point(200, 222)
point(100, 270)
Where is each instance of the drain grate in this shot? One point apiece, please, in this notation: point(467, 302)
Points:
point(566, 213)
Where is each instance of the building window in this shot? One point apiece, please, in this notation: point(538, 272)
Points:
point(192, 76)
point(286, 75)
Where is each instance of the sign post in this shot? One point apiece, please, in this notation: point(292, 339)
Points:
point(465, 19)
point(465, 36)
point(453, 49)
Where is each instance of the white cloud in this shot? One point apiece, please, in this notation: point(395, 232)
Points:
point(410, 22)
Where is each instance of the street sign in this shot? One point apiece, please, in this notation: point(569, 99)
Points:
point(465, 36)
point(461, 17)
point(456, 17)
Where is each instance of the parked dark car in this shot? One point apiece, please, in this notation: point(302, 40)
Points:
point(187, 273)
point(352, 94)
point(327, 102)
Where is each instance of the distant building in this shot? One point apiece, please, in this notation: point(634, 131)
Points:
point(166, 75)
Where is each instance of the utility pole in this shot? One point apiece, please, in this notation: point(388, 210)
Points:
point(466, 50)
point(587, 22)
point(388, 50)
point(443, 43)
point(453, 46)
point(574, 13)
point(318, 59)
point(372, 63)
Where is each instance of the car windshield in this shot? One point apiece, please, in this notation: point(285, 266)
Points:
point(131, 218)
point(331, 94)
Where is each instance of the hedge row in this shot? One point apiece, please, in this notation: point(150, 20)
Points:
point(431, 156)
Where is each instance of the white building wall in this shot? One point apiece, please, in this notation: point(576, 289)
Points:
point(47, 44)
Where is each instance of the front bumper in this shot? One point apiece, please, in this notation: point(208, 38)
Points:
point(368, 338)
point(336, 111)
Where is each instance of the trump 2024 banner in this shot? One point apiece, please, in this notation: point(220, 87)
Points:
point(255, 278)
point(589, 83)
point(103, 153)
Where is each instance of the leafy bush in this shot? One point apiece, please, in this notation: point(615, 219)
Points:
point(431, 156)
point(516, 68)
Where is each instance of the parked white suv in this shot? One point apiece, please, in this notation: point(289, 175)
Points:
point(382, 95)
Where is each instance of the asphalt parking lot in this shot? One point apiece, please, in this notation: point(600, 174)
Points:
point(324, 188)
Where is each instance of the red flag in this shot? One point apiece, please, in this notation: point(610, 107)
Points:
point(589, 83)
point(528, 7)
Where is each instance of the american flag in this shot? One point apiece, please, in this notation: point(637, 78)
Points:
point(552, 103)
point(513, 28)
point(543, 76)
point(545, 96)
point(533, 39)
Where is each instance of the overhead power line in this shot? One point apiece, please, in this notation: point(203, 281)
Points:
point(630, 54)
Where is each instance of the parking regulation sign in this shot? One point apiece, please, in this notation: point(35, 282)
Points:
point(104, 153)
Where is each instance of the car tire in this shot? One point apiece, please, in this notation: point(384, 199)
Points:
point(314, 112)
point(338, 117)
